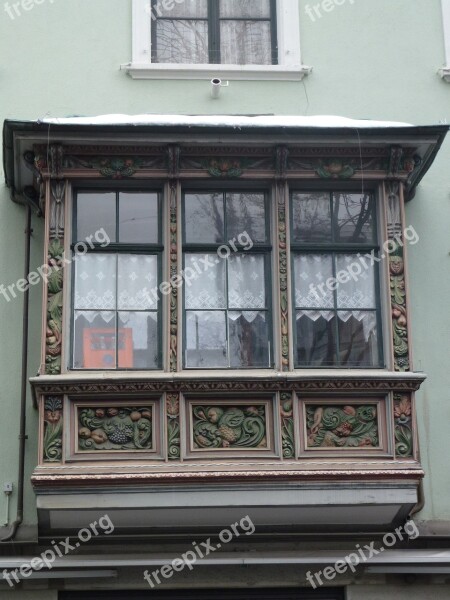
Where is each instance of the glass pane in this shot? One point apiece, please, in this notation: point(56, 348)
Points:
point(356, 284)
point(95, 281)
point(246, 282)
point(138, 340)
point(204, 218)
point(96, 212)
point(206, 334)
point(246, 219)
point(182, 42)
point(94, 340)
point(249, 339)
point(311, 218)
point(358, 339)
point(258, 9)
point(204, 281)
point(138, 218)
point(186, 8)
point(138, 282)
point(354, 220)
point(245, 43)
point(316, 338)
point(311, 273)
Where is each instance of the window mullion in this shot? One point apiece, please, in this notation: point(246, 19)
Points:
point(214, 31)
point(274, 31)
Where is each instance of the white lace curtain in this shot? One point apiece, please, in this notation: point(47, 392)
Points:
point(246, 284)
point(355, 298)
point(97, 275)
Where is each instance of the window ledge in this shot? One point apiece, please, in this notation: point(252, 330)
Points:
point(445, 73)
point(234, 72)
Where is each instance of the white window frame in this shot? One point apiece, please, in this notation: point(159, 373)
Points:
point(290, 67)
point(444, 72)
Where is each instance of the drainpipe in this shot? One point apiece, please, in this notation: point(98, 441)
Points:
point(420, 500)
point(23, 393)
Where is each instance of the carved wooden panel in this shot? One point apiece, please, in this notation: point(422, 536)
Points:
point(229, 426)
point(346, 425)
point(52, 429)
point(111, 429)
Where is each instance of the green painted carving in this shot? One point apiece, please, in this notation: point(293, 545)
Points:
point(397, 279)
point(334, 169)
point(116, 168)
point(53, 429)
point(282, 246)
point(54, 307)
point(287, 426)
point(225, 167)
point(117, 428)
point(173, 426)
point(223, 427)
point(403, 426)
point(399, 314)
point(346, 427)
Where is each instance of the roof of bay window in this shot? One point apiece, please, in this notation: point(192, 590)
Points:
point(19, 137)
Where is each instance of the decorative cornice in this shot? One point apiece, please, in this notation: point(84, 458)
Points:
point(199, 386)
point(113, 479)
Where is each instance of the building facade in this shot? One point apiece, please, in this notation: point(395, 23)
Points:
point(221, 369)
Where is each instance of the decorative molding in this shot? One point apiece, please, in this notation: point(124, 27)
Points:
point(343, 426)
point(114, 429)
point(281, 164)
point(397, 278)
point(317, 384)
point(225, 168)
point(229, 427)
point(287, 425)
point(174, 162)
point(55, 279)
point(335, 169)
point(173, 426)
point(403, 428)
point(53, 429)
point(339, 474)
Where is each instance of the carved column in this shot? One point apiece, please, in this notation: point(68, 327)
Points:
point(174, 162)
point(397, 280)
point(55, 277)
point(281, 167)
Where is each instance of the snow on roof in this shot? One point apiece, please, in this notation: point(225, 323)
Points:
point(226, 121)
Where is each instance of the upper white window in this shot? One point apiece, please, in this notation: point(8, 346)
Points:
point(445, 71)
point(184, 39)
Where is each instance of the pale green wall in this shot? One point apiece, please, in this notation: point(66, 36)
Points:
point(372, 59)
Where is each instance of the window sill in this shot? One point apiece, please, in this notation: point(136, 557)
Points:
point(201, 72)
point(445, 73)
